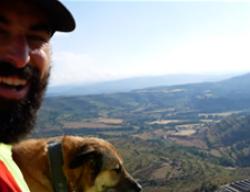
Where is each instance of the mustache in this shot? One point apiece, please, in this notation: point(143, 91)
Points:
point(9, 69)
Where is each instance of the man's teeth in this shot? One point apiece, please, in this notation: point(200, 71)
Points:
point(12, 81)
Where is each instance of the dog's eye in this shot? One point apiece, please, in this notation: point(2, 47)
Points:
point(117, 168)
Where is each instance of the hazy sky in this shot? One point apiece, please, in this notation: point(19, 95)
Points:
point(119, 39)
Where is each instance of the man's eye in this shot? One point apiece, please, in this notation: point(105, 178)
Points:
point(36, 41)
point(2, 31)
point(4, 35)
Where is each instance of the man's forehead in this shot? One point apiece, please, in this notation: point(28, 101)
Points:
point(19, 6)
point(24, 16)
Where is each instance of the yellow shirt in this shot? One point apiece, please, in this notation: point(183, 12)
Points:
point(6, 157)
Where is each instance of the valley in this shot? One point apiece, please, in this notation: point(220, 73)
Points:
point(173, 138)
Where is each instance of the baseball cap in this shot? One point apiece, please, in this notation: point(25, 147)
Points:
point(59, 16)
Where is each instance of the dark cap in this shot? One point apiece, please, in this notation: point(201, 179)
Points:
point(60, 19)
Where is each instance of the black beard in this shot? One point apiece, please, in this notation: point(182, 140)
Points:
point(17, 118)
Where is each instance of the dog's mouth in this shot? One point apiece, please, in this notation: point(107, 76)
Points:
point(117, 190)
point(131, 187)
point(111, 190)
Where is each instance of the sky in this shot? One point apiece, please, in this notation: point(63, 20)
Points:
point(121, 39)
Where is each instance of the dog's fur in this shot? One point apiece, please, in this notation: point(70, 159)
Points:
point(90, 165)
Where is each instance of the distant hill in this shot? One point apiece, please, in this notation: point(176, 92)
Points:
point(232, 130)
point(136, 106)
point(125, 85)
point(231, 94)
point(231, 138)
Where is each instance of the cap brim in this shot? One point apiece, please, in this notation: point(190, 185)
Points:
point(59, 17)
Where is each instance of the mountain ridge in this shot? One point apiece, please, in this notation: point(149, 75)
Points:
point(125, 85)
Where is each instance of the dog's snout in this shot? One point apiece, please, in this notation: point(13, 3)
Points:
point(138, 187)
point(129, 185)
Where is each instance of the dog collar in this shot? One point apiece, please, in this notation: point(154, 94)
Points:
point(58, 178)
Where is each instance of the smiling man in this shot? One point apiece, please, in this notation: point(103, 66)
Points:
point(26, 27)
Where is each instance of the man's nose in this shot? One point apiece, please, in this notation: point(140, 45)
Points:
point(18, 51)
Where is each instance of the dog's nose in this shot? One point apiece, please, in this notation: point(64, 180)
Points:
point(138, 187)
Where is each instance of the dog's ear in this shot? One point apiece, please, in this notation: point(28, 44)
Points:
point(87, 155)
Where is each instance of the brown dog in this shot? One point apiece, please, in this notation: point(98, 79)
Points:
point(90, 165)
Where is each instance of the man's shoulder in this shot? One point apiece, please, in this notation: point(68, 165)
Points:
point(7, 181)
point(10, 175)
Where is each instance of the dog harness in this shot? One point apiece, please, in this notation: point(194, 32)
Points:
point(11, 178)
point(58, 178)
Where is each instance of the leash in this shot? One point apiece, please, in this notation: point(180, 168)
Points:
point(55, 155)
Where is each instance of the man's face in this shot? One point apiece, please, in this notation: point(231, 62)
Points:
point(24, 67)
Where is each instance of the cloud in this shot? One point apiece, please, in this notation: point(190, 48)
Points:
point(218, 54)
point(70, 68)
point(75, 68)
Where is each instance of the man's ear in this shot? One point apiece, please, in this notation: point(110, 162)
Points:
point(87, 155)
